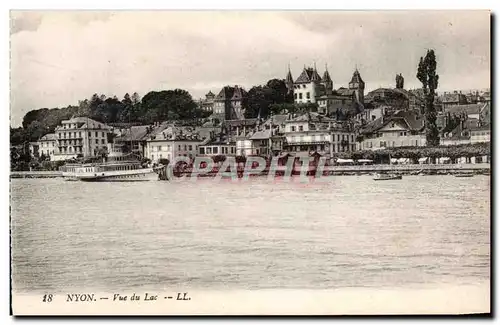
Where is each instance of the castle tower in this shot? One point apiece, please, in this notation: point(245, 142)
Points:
point(315, 78)
point(358, 85)
point(289, 81)
point(327, 81)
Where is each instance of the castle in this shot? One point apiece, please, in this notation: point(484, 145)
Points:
point(309, 87)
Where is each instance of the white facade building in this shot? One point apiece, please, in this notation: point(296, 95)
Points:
point(47, 145)
point(172, 142)
point(81, 136)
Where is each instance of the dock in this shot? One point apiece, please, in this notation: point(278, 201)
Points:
point(35, 174)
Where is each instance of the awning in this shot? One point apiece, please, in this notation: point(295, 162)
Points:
point(403, 160)
point(422, 159)
point(344, 161)
point(393, 160)
point(365, 160)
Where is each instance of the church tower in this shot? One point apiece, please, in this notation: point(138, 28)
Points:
point(358, 85)
point(327, 82)
point(289, 81)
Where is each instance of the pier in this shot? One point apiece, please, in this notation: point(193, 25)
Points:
point(328, 170)
point(35, 174)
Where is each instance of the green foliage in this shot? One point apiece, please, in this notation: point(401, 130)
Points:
point(426, 73)
point(264, 99)
point(169, 105)
point(414, 153)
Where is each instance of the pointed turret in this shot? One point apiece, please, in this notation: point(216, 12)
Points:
point(327, 81)
point(315, 76)
point(289, 80)
point(358, 85)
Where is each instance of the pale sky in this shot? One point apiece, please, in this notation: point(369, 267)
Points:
point(58, 58)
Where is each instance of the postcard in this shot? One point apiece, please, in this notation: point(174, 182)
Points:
point(250, 162)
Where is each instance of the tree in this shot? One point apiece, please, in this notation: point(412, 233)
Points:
point(257, 102)
point(169, 104)
point(262, 98)
point(426, 73)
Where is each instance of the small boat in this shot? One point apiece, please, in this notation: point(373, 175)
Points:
point(386, 177)
point(464, 175)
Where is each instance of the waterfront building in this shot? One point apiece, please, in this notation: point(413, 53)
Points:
point(48, 145)
point(461, 134)
point(133, 139)
point(312, 132)
point(215, 147)
point(480, 134)
point(172, 142)
point(401, 129)
point(239, 128)
point(81, 136)
point(265, 139)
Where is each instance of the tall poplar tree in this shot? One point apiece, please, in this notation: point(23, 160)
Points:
point(427, 75)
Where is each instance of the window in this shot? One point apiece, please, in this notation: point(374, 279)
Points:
point(190, 147)
point(209, 150)
point(338, 137)
point(215, 150)
point(103, 134)
point(59, 135)
point(96, 134)
point(301, 128)
point(232, 149)
point(79, 134)
point(293, 128)
point(90, 134)
point(179, 147)
point(159, 148)
point(308, 95)
point(303, 86)
point(300, 95)
point(382, 144)
point(295, 95)
point(97, 141)
point(103, 142)
point(202, 151)
point(185, 147)
point(352, 137)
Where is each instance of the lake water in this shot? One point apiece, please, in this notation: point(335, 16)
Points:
point(347, 232)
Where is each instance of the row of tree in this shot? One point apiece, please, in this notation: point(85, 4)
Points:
point(415, 153)
point(155, 106)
